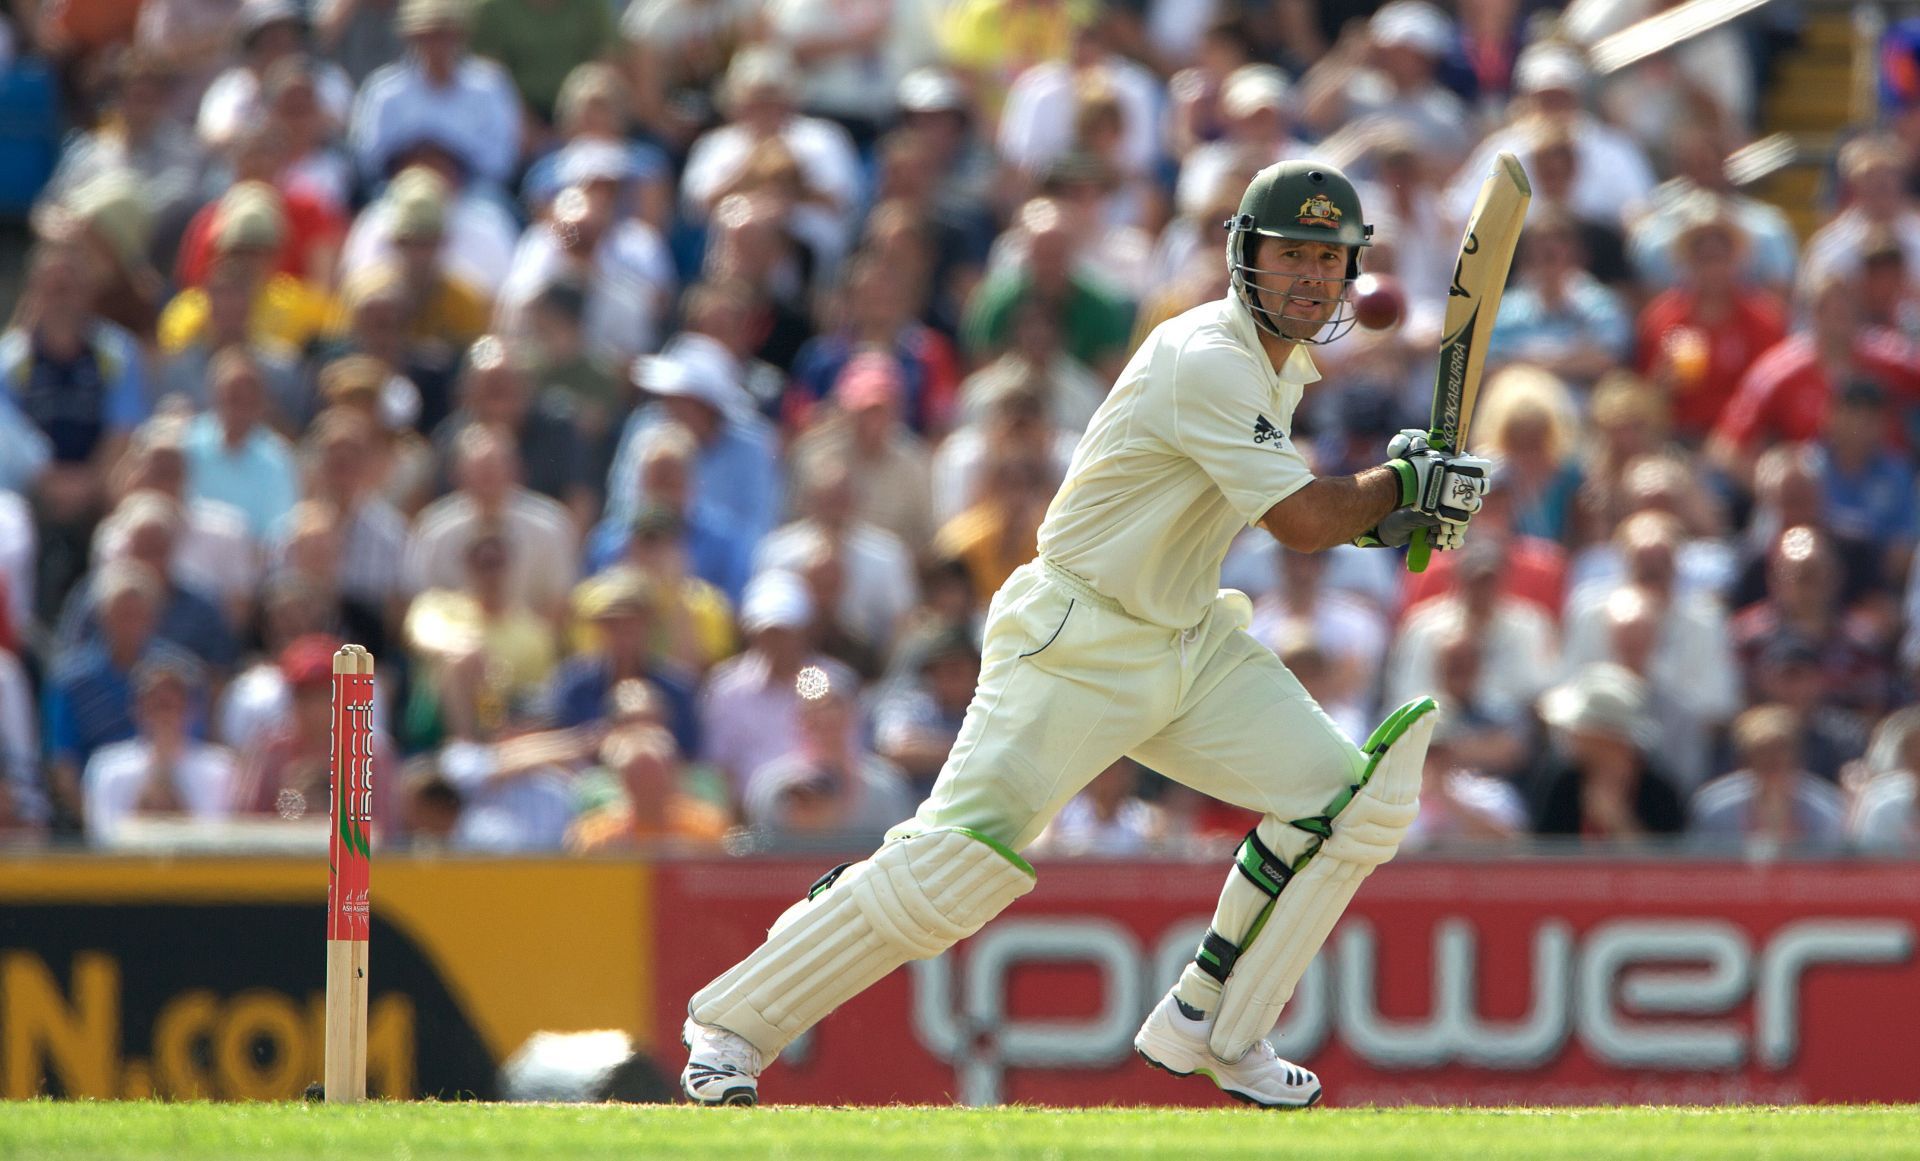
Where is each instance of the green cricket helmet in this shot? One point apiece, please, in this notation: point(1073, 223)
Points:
point(1307, 202)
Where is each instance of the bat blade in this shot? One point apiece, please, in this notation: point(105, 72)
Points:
point(1473, 302)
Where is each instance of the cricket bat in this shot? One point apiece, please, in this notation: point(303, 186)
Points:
point(1473, 302)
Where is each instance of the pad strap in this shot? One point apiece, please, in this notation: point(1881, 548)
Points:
point(1261, 867)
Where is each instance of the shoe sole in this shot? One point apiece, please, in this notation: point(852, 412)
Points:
point(1243, 1098)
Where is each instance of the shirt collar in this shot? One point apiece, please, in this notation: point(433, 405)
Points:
point(1298, 370)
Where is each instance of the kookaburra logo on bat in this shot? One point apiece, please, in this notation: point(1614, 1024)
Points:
point(1470, 246)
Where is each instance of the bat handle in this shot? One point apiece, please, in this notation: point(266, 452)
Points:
point(1418, 551)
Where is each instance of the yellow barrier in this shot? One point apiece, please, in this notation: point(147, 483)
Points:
point(204, 976)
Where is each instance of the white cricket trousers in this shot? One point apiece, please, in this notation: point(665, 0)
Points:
point(1069, 682)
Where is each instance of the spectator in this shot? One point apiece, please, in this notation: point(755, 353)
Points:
point(1037, 122)
point(1001, 531)
point(89, 695)
point(594, 108)
point(1673, 638)
point(878, 587)
point(496, 392)
point(1257, 107)
point(318, 165)
point(214, 553)
point(311, 227)
point(1771, 803)
point(666, 510)
point(1602, 781)
point(1352, 634)
point(1786, 394)
point(1391, 73)
point(1094, 321)
point(368, 537)
point(1884, 817)
point(539, 42)
point(403, 464)
point(430, 199)
point(598, 395)
point(766, 271)
point(445, 284)
point(1551, 84)
point(439, 92)
point(1869, 489)
point(1698, 153)
point(147, 527)
point(489, 500)
point(419, 390)
point(696, 616)
point(478, 650)
point(233, 457)
point(161, 770)
point(677, 52)
point(1012, 400)
point(652, 802)
point(1106, 820)
point(916, 724)
point(268, 32)
point(107, 218)
point(848, 57)
point(1803, 597)
point(758, 98)
point(515, 788)
point(186, 373)
point(1875, 172)
point(24, 808)
point(827, 783)
point(143, 139)
point(1484, 736)
point(1552, 163)
point(584, 237)
point(1789, 675)
point(1459, 805)
point(628, 633)
point(248, 233)
point(80, 381)
point(886, 464)
point(1697, 340)
point(1557, 316)
point(876, 316)
point(1529, 421)
point(735, 464)
point(749, 708)
point(1516, 639)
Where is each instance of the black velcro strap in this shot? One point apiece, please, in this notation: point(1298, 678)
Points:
point(827, 880)
point(1216, 956)
point(1262, 867)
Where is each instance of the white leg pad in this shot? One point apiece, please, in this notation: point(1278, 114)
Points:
point(1365, 834)
point(915, 898)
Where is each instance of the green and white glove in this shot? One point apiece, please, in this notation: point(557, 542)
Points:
point(1447, 485)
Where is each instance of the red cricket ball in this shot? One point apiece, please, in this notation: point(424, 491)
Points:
point(1378, 301)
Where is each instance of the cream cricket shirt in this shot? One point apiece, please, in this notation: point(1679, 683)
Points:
point(1193, 444)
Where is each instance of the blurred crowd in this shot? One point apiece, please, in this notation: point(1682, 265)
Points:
point(662, 388)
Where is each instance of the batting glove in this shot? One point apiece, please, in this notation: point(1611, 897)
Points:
point(1440, 483)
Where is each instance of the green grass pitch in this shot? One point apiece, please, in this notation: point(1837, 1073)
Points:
point(134, 1131)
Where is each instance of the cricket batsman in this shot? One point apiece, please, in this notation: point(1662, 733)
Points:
point(1118, 641)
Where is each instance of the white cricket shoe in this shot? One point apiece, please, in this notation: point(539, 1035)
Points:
point(1176, 1043)
point(722, 1069)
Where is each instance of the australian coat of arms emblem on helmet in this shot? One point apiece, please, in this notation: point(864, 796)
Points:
point(1319, 210)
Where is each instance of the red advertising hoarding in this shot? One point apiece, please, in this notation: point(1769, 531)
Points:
point(1509, 982)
